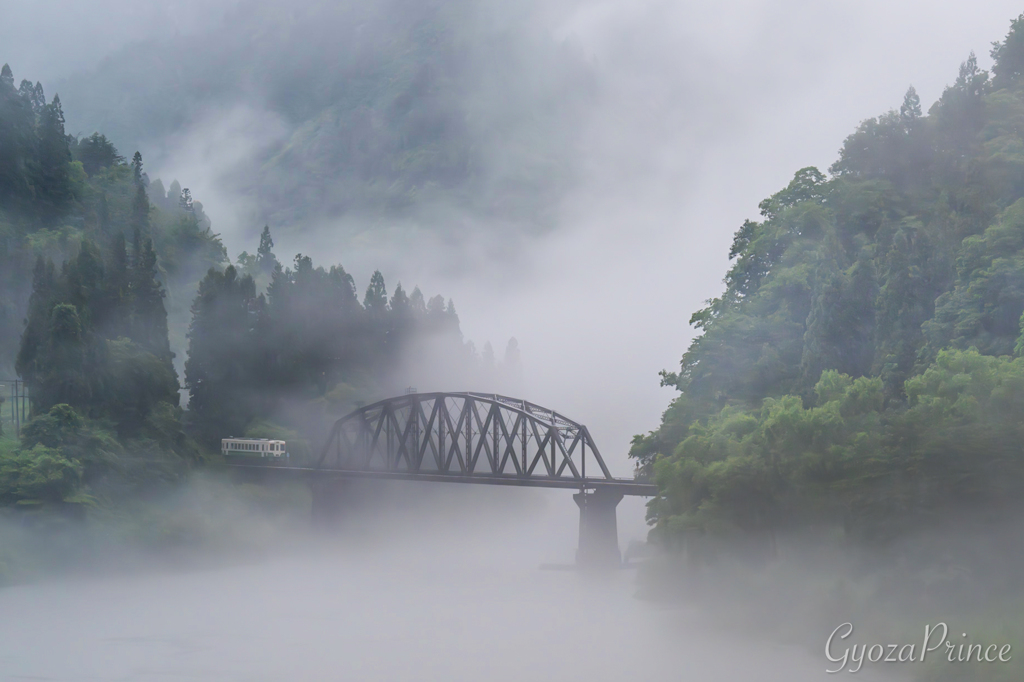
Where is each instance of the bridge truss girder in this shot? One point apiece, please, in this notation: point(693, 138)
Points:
point(465, 435)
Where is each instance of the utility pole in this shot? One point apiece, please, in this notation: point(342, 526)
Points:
point(19, 400)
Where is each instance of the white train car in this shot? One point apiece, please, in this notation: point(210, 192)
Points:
point(253, 447)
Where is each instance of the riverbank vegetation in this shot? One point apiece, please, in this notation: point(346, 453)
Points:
point(863, 366)
point(849, 414)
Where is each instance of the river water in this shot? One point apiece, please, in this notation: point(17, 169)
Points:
point(426, 595)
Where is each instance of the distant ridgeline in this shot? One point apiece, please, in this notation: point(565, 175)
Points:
point(863, 367)
point(93, 336)
point(382, 108)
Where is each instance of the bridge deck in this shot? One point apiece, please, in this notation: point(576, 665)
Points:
point(621, 485)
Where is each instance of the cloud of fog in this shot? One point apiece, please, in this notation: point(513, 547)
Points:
point(45, 40)
point(429, 583)
point(700, 112)
point(220, 142)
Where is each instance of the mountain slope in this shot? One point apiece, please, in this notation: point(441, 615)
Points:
point(859, 368)
point(384, 108)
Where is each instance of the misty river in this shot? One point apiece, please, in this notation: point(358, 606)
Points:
point(426, 592)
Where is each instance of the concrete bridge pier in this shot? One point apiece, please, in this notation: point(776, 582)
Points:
point(329, 500)
point(599, 532)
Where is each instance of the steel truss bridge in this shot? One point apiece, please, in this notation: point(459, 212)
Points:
point(474, 438)
point(469, 438)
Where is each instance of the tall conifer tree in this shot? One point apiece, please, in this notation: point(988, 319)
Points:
point(140, 203)
point(53, 186)
point(148, 314)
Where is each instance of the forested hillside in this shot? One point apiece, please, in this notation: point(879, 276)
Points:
point(863, 366)
point(386, 108)
point(57, 191)
point(98, 266)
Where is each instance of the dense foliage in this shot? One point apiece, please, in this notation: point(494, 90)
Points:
point(858, 369)
point(56, 190)
point(96, 337)
point(89, 337)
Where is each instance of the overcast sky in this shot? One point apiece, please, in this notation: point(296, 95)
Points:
point(706, 108)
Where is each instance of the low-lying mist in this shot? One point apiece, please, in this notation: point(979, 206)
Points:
point(223, 577)
point(413, 581)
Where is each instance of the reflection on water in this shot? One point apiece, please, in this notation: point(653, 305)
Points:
point(419, 604)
